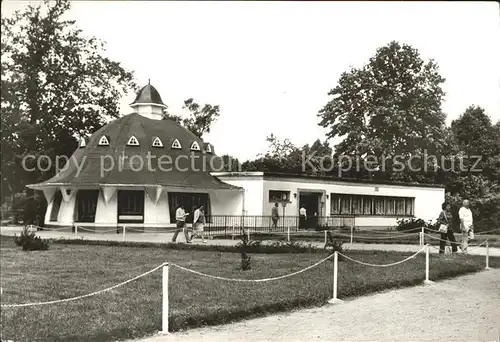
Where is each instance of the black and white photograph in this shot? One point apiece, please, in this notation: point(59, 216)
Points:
point(255, 171)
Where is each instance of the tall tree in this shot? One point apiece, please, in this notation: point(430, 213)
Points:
point(56, 85)
point(200, 118)
point(475, 134)
point(390, 106)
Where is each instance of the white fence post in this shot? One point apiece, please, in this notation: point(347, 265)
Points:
point(248, 234)
point(427, 281)
point(422, 237)
point(76, 230)
point(352, 228)
point(335, 300)
point(487, 256)
point(164, 315)
point(124, 227)
point(325, 238)
point(233, 232)
point(288, 234)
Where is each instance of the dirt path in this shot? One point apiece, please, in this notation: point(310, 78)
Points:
point(460, 309)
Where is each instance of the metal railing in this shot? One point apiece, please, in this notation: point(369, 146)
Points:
point(225, 224)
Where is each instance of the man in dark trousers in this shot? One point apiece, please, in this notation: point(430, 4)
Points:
point(455, 223)
point(180, 218)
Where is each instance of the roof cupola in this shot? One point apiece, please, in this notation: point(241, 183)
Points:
point(148, 103)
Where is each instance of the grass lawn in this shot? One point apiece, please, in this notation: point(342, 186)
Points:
point(134, 310)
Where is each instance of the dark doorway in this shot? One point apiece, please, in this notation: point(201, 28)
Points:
point(189, 200)
point(130, 206)
point(86, 205)
point(310, 201)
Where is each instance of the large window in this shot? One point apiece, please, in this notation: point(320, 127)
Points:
point(277, 195)
point(189, 200)
point(342, 204)
point(86, 205)
point(56, 204)
point(130, 206)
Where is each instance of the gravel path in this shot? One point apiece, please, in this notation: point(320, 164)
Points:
point(460, 309)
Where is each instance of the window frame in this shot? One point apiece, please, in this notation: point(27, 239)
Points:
point(192, 148)
point(129, 143)
point(338, 205)
point(176, 144)
point(100, 143)
point(155, 140)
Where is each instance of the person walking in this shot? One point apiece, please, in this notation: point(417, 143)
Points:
point(275, 216)
point(180, 218)
point(446, 229)
point(466, 225)
point(302, 217)
point(199, 224)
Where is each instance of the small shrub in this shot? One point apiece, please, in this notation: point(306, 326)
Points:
point(336, 245)
point(245, 259)
point(30, 242)
point(412, 223)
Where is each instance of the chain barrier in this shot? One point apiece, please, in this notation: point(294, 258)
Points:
point(253, 280)
point(375, 237)
point(489, 231)
point(83, 296)
point(477, 246)
point(384, 265)
point(458, 242)
point(99, 231)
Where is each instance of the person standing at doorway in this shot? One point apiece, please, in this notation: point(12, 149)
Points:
point(275, 216)
point(302, 217)
point(466, 225)
point(180, 218)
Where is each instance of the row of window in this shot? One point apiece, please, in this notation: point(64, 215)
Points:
point(133, 141)
point(130, 205)
point(371, 205)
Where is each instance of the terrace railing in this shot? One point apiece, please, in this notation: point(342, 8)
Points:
point(225, 224)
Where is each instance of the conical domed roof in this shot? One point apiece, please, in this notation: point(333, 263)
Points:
point(148, 94)
point(114, 154)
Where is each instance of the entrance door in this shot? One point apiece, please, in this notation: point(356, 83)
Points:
point(310, 201)
point(130, 206)
point(86, 205)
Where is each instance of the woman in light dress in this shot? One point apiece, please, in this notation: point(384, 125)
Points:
point(199, 224)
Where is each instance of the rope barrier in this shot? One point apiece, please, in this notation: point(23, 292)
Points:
point(253, 280)
point(167, 230)
point(385, 265)
point(97, 230)
point(436, 238)
point(51, 229)
point(376, 237)
point(83, 296)
point(489, 231)
point(477, 246)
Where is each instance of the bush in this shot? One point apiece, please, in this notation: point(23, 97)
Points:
point(336, 245)
point(30, 242)
point(486, 213)
point(413, 223)
point(245, 259)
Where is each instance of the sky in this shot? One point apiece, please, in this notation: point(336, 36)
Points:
point(270, 65)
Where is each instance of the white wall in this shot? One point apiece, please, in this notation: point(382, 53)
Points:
point(254, 193)
point(226, 202)
point(427, 200)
